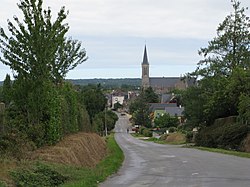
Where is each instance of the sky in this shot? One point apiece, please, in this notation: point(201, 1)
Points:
point(114, 33)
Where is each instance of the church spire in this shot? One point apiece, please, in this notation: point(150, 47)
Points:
point(145, 57)
point(145, 70)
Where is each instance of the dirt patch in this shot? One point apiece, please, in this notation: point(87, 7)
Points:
point(174, 137)
point(246, 144)
point(82, 149)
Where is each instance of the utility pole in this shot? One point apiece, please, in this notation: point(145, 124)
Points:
point(105, 123)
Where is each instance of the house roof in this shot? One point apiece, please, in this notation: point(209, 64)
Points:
point(165, 98)
point(160, 106)
point(175, 111)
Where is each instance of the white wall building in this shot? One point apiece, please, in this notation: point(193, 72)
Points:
point(117, 99)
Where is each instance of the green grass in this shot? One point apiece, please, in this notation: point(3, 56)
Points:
point(91, 177)
point(223, 151)
point(2, 184)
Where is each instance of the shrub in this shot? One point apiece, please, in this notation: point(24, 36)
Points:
point(189, 136)
point(15, 144)
point(41, 175)
point(222, 135)
point(172, 129)
point(2, 184)
point(141, 129)
point(166, 121)
point(147, 133)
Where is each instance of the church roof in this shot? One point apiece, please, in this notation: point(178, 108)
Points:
point(145, 56)
point(163, 81)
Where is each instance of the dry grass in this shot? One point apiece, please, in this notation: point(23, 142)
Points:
point(82, 149)
point(246, 144)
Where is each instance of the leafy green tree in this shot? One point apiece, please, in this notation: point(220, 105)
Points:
point(230, 48)
point(7, 90)
point(139, 109)
point(166, 120)
point(223, 72)
point(244, 109)
point(40, 55)
point(105, 117)
point(150, 95)
point(117, 105)
point(94, 100)
point(38, 48)
point(194, 101)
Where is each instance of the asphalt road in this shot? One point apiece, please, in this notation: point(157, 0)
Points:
point(154, 165)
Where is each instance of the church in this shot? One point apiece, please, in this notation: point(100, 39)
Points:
point(161, 84)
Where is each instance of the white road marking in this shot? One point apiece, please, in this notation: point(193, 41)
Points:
point(195, 173)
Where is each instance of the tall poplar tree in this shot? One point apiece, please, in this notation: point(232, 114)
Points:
point(40, 55)
point(38, 47)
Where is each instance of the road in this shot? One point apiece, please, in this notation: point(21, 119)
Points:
point(154, 165)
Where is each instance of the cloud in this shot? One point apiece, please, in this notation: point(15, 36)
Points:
point(114, 32)
point(189, 18)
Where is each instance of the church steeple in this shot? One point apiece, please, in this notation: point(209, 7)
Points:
point(145, 56)
point(145, 70)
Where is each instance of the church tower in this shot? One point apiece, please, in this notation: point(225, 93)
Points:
point(145, 70)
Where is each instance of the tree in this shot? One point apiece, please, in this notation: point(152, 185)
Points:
point(38, 47)
point(117, 105)
point(150, 95)
point(230, 49)
point(244, 109)
point(40, 55)
point(223, 71)
point(103, 118)
point(166, 120)
point(7, 90)
point(139, 109)
point(94, 100)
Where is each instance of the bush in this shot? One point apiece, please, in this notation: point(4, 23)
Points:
point(166, 121)
point(41, 175)
point(2, 184)
point(189, 136)
point(172, 129)
point(147, 133)
point(222, 135)
point(15, 145)
point(141, 129)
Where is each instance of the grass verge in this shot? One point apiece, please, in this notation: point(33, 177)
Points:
point(31, 173)
point(91, 177)
point(223, 151)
